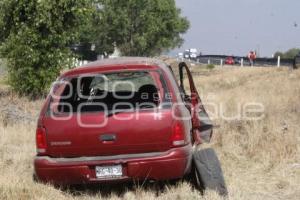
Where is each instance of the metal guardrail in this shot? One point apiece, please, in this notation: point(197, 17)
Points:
point(244, 61)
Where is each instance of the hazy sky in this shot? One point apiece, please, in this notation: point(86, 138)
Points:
point(234, 27)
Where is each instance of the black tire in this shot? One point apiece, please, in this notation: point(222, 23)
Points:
point(207, 172)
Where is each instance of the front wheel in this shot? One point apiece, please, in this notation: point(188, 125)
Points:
point(207, 172)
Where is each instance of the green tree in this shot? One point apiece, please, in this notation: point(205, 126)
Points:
point(291, 53)
point(35, 35)
point(140, 27)
point(278, 53)
point(95, 32)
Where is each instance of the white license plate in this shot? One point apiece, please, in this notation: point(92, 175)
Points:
point(109, 171)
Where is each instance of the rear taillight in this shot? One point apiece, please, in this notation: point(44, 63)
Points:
point(41, 140)
point(178, 135)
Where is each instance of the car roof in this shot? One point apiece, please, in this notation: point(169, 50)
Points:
point(117, 64)
point(126, 61)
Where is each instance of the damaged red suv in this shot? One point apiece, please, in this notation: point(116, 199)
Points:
point(124, 119)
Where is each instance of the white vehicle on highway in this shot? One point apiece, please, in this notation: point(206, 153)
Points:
point(190, 53)
point(193, 53)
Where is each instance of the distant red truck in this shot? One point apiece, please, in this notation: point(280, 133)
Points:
point(122, 120)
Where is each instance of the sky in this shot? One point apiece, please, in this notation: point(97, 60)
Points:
point(234, 27)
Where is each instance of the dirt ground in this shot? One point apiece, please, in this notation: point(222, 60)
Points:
point(260, 159)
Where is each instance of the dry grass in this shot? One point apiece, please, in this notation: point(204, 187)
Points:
point(261, 159)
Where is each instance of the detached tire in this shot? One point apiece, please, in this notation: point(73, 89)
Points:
point(207, 172)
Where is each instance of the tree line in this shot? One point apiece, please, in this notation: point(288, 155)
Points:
point(289, 54)
point(36, 35)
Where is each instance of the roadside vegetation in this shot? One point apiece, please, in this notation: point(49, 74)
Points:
point(260, 159)
point(210, 66)
point(36, 37)
point(289, 54)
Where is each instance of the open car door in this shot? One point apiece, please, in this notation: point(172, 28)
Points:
point(202, 125)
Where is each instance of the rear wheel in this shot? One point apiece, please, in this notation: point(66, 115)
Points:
point(207, 172)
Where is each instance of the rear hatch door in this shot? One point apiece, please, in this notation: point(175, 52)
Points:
point(84, 121)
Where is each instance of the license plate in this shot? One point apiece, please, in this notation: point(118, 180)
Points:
point(109, 171)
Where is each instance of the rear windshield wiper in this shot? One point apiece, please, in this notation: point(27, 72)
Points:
point(112, 112)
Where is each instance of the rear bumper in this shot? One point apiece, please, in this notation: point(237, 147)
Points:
point(172, 164)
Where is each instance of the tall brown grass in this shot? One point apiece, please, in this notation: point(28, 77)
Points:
point(260, 159)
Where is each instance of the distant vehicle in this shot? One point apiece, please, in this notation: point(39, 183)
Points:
point(91, 131)
point(229, 61)
point(193, 53)
point(186, 54)
point(190, 54)
point(237, 61)
point(180, 55)
point(232, 60)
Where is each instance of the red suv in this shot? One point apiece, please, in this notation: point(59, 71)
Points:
point(229, 61)
point(121, 120)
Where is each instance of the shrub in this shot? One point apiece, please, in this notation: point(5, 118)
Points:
point(32, 69)
point(289, 54)
point(35, 36)
point(210, 66)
